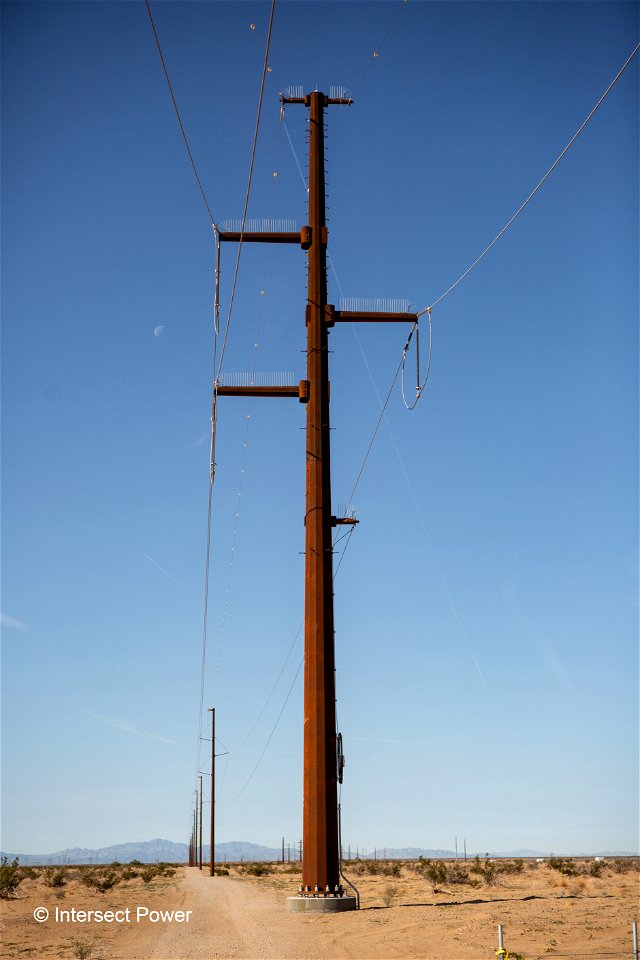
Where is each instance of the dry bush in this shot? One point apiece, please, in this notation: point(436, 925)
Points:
point(457, 874)
point(82, 950)
point(487, 870)
point(55, 877)
point(255, 869)
point(389, 894)
point(565, 867)
point(433, 870)
point(101, 879)
point(391, 869)
point(365, 867)
point(624, 864)
point(10, 877)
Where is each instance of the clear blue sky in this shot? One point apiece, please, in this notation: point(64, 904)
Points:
point(486, 609)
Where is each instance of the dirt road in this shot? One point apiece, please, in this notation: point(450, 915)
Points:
point(236, 921)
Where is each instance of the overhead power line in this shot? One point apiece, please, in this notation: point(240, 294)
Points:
point(376, 53)
point(246, 199)
point(537, 187)
point(216, 374)
point(175, 107)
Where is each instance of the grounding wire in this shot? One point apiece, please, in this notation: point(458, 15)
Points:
point(538, 185)
point(175, 107)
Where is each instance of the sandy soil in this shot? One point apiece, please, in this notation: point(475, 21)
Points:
point(237, 917)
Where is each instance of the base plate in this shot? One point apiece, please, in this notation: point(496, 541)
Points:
point(320, 904)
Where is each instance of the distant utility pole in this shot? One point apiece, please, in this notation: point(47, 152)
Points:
point(213, 791)
point(200, 858)
point(195, 832)
point(320, 854)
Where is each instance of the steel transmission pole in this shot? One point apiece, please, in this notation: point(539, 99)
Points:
point(320, 866)
point(321, 888)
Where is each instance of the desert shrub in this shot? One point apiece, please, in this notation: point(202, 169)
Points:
point(391, 869)
point(490, 871)
point(156, 870)
point(257, 869)
point(486, 870)
point(624, 864)
point(82, 950)
point(457, 874)
point(101, 880)
point(54, 877)
point(389, 894)
point(221, 872)
point(565, 867)
point(128, 874)
point(596, 868)
point(434, 871)
point(10, 877)
point(512, 866)
point(28, 873)
point(135, 863)
point(116, 864)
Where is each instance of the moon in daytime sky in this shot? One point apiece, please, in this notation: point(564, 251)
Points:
point(158, 330)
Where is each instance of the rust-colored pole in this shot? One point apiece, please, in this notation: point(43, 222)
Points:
point(320, 868)
point(213, 789)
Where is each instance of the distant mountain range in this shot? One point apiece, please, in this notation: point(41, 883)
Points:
point(152, 851)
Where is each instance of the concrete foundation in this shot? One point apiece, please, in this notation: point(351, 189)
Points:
point(320, 904)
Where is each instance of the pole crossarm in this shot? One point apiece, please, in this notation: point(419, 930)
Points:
point(301, 237)
point(301, 392)
point(263, 236)
point(328, 101)
point(355, 316)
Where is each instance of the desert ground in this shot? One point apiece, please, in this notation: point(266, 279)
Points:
point(413, 910)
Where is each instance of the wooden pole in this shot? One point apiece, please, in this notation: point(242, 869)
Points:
point(213, 791)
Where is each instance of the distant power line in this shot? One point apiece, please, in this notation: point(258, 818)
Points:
point(175, 107)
